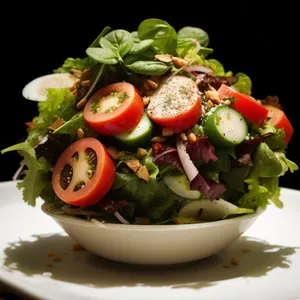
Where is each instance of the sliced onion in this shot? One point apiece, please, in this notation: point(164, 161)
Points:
point(164, 153)
point(198, 68)
point(18, 172)
point(189, 168)
point(120, 218)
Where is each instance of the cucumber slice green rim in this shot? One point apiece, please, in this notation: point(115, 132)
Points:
point(139, 136)
point(225, 127)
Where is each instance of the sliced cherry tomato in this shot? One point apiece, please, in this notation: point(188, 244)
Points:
point(114, 109)
point(279, 119)
point(247, 106)
point(176, 104)
point(84, 173)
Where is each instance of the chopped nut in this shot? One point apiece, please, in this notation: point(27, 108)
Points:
point(234, 261)
point(183, 136)
point(50, 254)
point(213, 96)
point(56, 124)
point(76, 72)
point(151, 84)
point(227, 266)
point(146, 87)
point(146, 100)
point(179, 62)
point(245, 250)
point(87, 74)
point(141, 221)
point(77, 247)
point(113, 152)
point(80, 133)
point(167, 131)
point(133, 164)
point(159, 139)
point(81, 103)
point(57, 258)
point(227, 102)
point(86, 83)
point(192, 138)
point(211, 88)
point(141, 152)
point(143, 173)
point(166, 58)
point(209, 104)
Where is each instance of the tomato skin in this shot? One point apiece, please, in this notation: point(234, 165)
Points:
point(122, 119)
point(183, 121)
point(95, 188)
point(247, 106)
point(279, 119)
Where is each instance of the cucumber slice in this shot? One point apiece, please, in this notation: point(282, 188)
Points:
point(180, 186)
point(140, 136)
point(211, 210)
point(225, 127)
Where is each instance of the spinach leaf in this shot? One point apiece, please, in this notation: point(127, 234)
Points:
point(164, 35)
point(148, 67)
point(121, 40)
point(102, 55)
point(95, 43)
point(141, 46)
point(194, 33)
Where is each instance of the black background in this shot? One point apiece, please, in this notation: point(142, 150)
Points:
point(251, 37)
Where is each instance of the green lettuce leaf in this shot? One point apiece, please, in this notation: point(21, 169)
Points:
point(75, 63)
point(244, 83)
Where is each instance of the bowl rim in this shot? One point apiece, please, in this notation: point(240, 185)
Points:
point(136, 227)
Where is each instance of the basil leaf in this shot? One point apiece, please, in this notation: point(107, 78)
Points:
point(122, 40)
point(103, 32)
point(147, 55)
point(148, 67)
point(135, 36)
point(141, 46)
point(103, 55)
point(194, 33)
point(164, 35)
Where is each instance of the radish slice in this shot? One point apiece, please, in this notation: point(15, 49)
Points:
point(36, 89)
point(189, 168)
point(211, 210)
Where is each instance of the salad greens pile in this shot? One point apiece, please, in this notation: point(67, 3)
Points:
point(245, 175)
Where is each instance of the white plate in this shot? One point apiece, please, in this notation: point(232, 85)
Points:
point(271, 269)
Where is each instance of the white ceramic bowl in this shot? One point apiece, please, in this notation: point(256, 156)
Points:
point(154, 244)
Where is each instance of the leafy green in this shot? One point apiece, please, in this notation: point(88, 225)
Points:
point(102, 55)
point(217, 67)
point(121, 40)
point(148, 67)
point(287, 165)
point(163, 35)
point(151, 166)
point(70, 127)
point(141, 46)
point(95, 43)
point(244, 83)
point(75, 63)
point(145, 195)
point(186, 46)
point(194, 33)
point(235, 178)
point(36, 177)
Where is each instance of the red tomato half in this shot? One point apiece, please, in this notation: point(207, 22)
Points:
point(84, 173)
point(114, 109)
point(279, 119)
point(247, 106)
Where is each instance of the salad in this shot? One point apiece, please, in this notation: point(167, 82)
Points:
point(149, 128)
